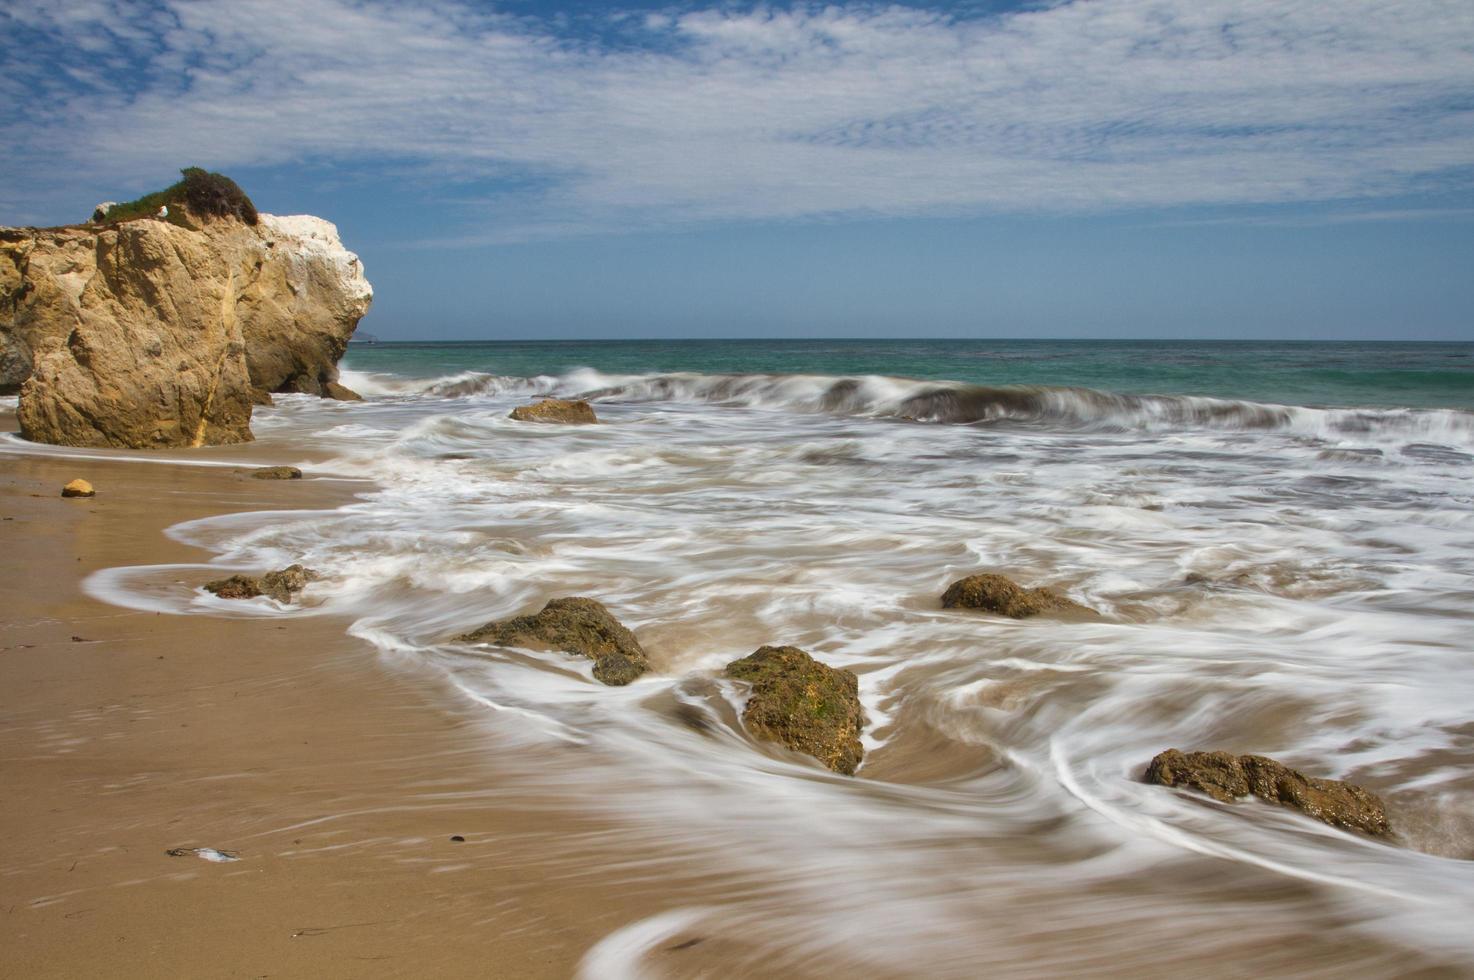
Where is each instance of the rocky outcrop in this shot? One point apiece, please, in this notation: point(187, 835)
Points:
point(997, 594)
point(342, 393)
point(1228, 778)
point(277, 473)
point(556, 410)
point(280, 585)
point(803, 704)
point(574, 625)
point(309, 280)
point(153, 333)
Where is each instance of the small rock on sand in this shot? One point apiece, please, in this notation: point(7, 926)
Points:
point(556, 410)
point(998, 594)
point(207, 853)
point(277, 473)
point(1228, 778)
point(78, 488)
point(279, 585)
point(576, 625)
point(803, 704)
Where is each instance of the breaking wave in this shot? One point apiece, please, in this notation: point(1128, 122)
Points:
point(946, 402)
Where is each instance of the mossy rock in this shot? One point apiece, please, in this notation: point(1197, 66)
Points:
point(279, 585)
point(576, 625)
point(1229, 778)
point(999, 594)
point(556, 410)
point(808, 706)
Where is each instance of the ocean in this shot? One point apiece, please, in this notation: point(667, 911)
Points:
point(1279, 538)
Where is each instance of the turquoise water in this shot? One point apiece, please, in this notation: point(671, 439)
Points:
point(1333, 374)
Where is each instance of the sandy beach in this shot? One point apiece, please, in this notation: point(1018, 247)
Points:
point(339, 783)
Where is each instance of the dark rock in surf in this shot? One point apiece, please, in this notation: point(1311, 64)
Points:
point(1228, 778)
point(576, 625)
point(277, 473)
point(556, 410)
point(997, 594)
point(808, 706)
point(280, 585)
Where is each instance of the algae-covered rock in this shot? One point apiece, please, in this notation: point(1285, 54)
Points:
point(277, 473)
point(574, 625)
point(279, 585)
point(1228, 778)
point(556, 410)
point(803, 704)
point(997, 594)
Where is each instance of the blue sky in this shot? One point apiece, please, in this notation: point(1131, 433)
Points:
point(1111, 168)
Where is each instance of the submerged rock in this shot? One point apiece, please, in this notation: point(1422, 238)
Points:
point(78, 488)
point(556, 410)
point(277, 473)
point(574, 625)
point(1228, 778)
point(279, 585)
point(808, 706)
point(997, 594)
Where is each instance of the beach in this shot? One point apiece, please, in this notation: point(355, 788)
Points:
point(1265, 577)
point(338, 783)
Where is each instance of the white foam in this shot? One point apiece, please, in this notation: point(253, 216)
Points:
point(1258, 596)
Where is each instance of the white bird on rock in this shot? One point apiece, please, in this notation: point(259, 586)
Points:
point(164, 211)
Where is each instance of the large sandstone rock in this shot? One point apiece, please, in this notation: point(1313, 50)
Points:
point(803, 704)
point(997, 594)
point(310, 281)
point(556, 410)
point(1228, 778)
point(149, 333)
point(573, 625)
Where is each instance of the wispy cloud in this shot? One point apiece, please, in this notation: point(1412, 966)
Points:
point(717, 115)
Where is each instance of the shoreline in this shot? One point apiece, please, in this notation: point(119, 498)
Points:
point(343, 772)
point(338, 780)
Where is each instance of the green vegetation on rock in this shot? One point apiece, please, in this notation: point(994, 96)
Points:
point(997, 594)
point(202, 193)
point(1228, 778)
point(574, 625)
point(803, 704)
point(279, 585)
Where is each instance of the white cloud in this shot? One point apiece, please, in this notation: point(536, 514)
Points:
point(1087, 106)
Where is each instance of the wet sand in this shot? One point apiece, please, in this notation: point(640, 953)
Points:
point(338, 779)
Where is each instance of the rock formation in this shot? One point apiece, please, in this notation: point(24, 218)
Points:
point(573, 625)
point(1228, 778)
point(308, 280)
point(280, 585)
point(149, 333)
point(997, 594)
point(803, 704)
point(556, 410)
